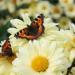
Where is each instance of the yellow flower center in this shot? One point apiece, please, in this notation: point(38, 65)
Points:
point(65, 1)
point(56, 10)
point(64, 21)
point(40, 64)
point(71, 9)
point(44, 7)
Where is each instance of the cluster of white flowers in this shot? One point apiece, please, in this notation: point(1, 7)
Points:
point(65, 8)
point(52, 53)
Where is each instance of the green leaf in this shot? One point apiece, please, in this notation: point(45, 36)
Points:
point(3, 31)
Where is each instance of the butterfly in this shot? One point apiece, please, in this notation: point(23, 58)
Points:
point(6, 49)
point(34, 30)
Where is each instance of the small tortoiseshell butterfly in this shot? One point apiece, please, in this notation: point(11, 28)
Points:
point(6, 49)
point(34, 30)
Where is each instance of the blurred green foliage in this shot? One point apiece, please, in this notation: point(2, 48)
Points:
point(3, 31)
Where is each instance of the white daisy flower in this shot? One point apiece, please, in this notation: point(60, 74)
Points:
point(64, 3)
point(19, 24)
point(69, 44)
point(38, 59)
point(64, 23)
point(43, 7)
point(56, 11)
point(49, 29)
point(70, 10)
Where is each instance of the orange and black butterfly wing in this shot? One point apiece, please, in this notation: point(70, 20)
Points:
point(6, 49)
point(21, 33)
point(38, 21)
point(32, 29)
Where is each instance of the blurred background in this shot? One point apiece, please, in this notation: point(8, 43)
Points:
point(60, 11)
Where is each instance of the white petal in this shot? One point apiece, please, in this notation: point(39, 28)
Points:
point(12, 30)
point(26, 19)
point(72, 55)
point(17, 23)
point(72, 27)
